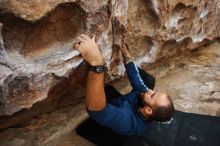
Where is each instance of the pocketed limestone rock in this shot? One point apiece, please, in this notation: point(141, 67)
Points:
point(40, 67)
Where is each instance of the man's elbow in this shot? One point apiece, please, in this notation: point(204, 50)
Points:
point(95, 106)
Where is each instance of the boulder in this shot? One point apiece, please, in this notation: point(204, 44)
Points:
point(41, 70)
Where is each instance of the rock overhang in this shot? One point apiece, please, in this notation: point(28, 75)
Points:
point(37, 39)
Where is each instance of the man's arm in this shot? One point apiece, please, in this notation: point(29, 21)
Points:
point(95, 94)
point(133, 74)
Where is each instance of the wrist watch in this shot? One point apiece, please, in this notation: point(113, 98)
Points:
point(98, 68)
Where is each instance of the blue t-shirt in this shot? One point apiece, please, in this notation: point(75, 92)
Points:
point(121, 114)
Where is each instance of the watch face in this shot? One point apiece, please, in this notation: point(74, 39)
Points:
point(99, 69)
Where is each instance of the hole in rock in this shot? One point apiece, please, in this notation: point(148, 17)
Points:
point(181, 14)
point(47, 38)
point(179, 7)
point(145, 45)
point(142, 18)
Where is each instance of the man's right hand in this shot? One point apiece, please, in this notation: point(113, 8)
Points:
point(89, 50)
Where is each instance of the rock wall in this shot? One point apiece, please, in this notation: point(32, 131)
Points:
point(39, 67)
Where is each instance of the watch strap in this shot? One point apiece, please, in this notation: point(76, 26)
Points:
point(98, 68)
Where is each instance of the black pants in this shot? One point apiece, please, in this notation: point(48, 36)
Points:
point(103, 136)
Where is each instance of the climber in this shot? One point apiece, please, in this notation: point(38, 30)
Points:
point(128, 114)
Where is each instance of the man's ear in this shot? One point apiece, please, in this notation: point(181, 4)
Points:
point(148, 110)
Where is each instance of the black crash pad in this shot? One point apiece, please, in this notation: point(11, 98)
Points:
point(186, 129)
